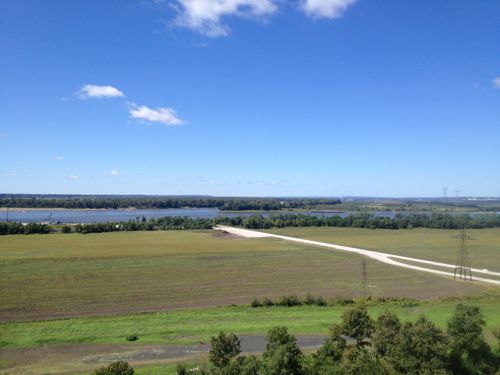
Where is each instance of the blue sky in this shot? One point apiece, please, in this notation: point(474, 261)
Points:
point(250, 97)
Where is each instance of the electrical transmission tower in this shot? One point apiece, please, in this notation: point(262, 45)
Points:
point(462, 267)
point(445, 193)
point(364, 278)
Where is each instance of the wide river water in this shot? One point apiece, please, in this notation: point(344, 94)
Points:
point(96, 216)
point(105, 215)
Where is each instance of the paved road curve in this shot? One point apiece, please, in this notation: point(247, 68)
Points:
point(391, 259)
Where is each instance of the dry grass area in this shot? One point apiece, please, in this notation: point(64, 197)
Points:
point(70, 275)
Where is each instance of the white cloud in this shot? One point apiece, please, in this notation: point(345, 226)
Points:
point(58, 157)
point(205, 16)
point(162, 115)
point(496, 82)
point(73, 177)
point(94, 91)
point(325, 8)
point(115, 173)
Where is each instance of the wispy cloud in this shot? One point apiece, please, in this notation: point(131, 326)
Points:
point(163, 115)
point(58, 157)
point(265, 182)
point(115, 172)
point(205, 16)
point(496, 82)
point(73, 177)
point(325, 8)
point(95, 91)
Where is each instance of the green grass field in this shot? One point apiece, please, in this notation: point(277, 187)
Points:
point(70, 341)
point(431, 244)
point(58, 275)
point(192, 326)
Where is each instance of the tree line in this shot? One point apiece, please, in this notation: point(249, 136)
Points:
point(358, 345)
point(162, 202)
point(365, 220)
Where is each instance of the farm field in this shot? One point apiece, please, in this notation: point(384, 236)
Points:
point(72, 275)
point(430, 244)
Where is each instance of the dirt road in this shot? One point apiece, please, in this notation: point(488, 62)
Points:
point(391, 259)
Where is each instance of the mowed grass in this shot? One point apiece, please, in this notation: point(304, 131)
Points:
point(430, 244)
point(193, 326)
point(71, 275)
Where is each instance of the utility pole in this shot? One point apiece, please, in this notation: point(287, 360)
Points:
point(364, 278)
point(462, 268)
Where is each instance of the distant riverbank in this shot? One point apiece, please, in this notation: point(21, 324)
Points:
point(76, 216)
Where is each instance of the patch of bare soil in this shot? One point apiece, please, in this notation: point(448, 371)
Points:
point(224, 234)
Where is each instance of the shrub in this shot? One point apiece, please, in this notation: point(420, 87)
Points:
point(255, 303)
point(267, 302)
point(320, 301)
point(115, 368)
point(182, 369)
point(309, 300)
point(66, 229)
point(342, 301)
point(132, 338)
point(289, 301)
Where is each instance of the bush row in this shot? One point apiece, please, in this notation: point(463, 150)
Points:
point(310, 300)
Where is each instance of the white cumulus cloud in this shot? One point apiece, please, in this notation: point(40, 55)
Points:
point(58, 157)
point(205, 16)
point(496, 82)
point(115, 172)
point(325, 8)
point(166, 116)
point(95, 91)
point(73, 177)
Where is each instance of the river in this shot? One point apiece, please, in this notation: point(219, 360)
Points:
point(106, 215)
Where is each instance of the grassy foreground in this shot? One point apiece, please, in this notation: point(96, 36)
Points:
point(73, 275)
point(192, 326)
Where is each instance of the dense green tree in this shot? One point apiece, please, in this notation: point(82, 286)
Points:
point(469, 351)
point(357, 324)
point(244, 365)
point(223, 348)
point(329, 355)
point(282, 355)
point(359, 361)
point(420, 348)
point(387, 328)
